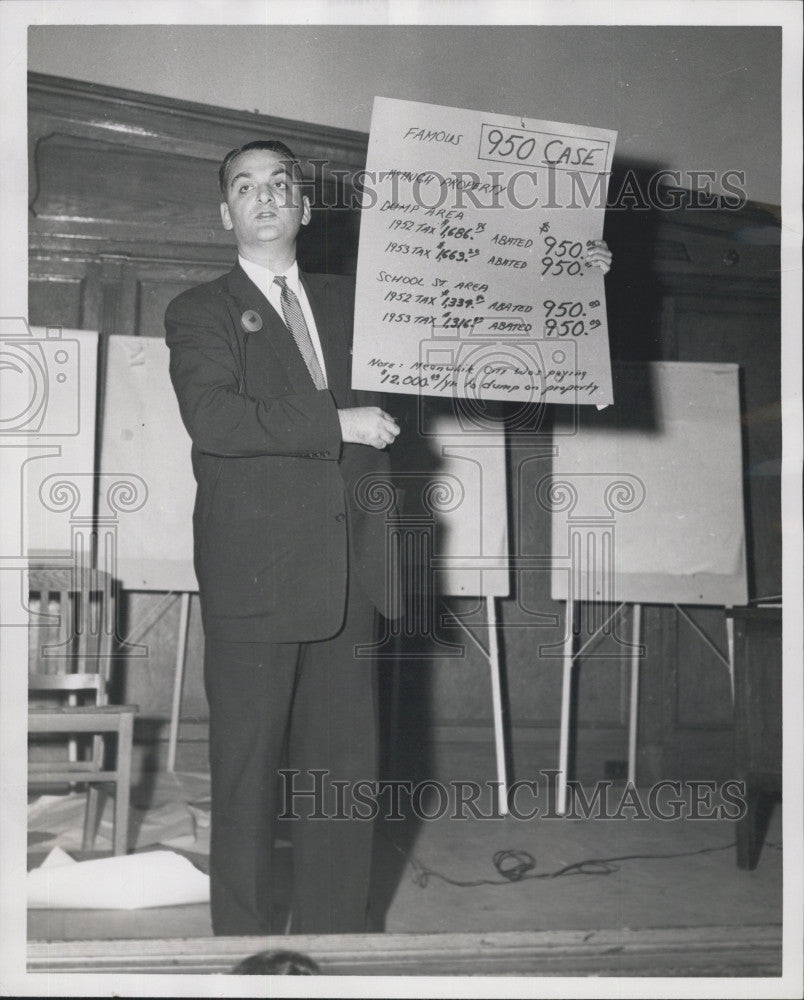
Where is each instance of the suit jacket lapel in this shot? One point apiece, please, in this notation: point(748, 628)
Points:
point(273, 336)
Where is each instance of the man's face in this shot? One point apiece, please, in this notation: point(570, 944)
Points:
point(264, 205)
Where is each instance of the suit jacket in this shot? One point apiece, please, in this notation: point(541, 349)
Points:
point(282, 510)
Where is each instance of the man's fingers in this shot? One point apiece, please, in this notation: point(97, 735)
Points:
point(388, 425)
point(368, 425)
point(381, 429)
point(389, 429)
point(599, 255)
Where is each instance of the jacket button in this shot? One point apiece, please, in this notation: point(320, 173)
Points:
point(340, 517)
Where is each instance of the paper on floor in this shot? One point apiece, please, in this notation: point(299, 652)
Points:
point(62, 816)
point(125, 882)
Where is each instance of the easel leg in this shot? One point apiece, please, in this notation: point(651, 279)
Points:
point(393, 724)
point(178, 679)
point(730, 642)
point(633, 721)
point(566, 692)
point(496, 698)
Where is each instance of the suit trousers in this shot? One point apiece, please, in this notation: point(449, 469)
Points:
point(312, 707)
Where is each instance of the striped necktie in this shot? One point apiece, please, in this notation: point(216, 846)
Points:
point(294, 320)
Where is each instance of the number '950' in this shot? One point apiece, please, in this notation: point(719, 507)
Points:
point(504, 144)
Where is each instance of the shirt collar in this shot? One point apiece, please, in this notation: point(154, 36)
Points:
point(263, 277)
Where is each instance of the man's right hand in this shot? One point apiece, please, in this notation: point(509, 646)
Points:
point(368, 425)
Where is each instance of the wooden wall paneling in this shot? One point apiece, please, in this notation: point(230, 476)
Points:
point(143, 170)
point(56, 294)
point(126, 317)
point(157, 283)
point(703, 686)
point(87, 187)
point(66, 288)
point(150, 679)
point(111, 290)
point(93, 296)
point(168, 124)
point(743, 329)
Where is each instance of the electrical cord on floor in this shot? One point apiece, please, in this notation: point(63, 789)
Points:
point(517, 866)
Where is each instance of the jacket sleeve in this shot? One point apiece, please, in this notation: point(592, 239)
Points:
point(206, 375)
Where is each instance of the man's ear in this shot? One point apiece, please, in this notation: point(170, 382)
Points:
point(306, 210)
point(226, 218)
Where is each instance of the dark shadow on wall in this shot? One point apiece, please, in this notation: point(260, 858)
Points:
point(407, 665)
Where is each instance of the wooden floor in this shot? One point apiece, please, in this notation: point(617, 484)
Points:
point(672, 903)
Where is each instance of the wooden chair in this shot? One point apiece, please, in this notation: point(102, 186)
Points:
point(70, 651)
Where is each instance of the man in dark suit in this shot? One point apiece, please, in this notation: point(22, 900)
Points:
point(290, 558)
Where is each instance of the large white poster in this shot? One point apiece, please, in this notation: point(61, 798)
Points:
point(145, 441)
point(472, 277)
point(652, 491)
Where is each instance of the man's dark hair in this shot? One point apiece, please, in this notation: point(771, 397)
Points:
point(270, 145)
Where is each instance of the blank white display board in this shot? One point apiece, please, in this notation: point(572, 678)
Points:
point(473, 524)
point(672, 440)
point(142, 435)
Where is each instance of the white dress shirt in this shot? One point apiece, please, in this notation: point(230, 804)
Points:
point(263, 278)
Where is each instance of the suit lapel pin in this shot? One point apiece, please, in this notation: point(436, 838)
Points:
point(251, 321)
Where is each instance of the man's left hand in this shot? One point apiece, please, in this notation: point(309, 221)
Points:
point(598, 255)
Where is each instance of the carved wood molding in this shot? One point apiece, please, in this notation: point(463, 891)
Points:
point(149, 121)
